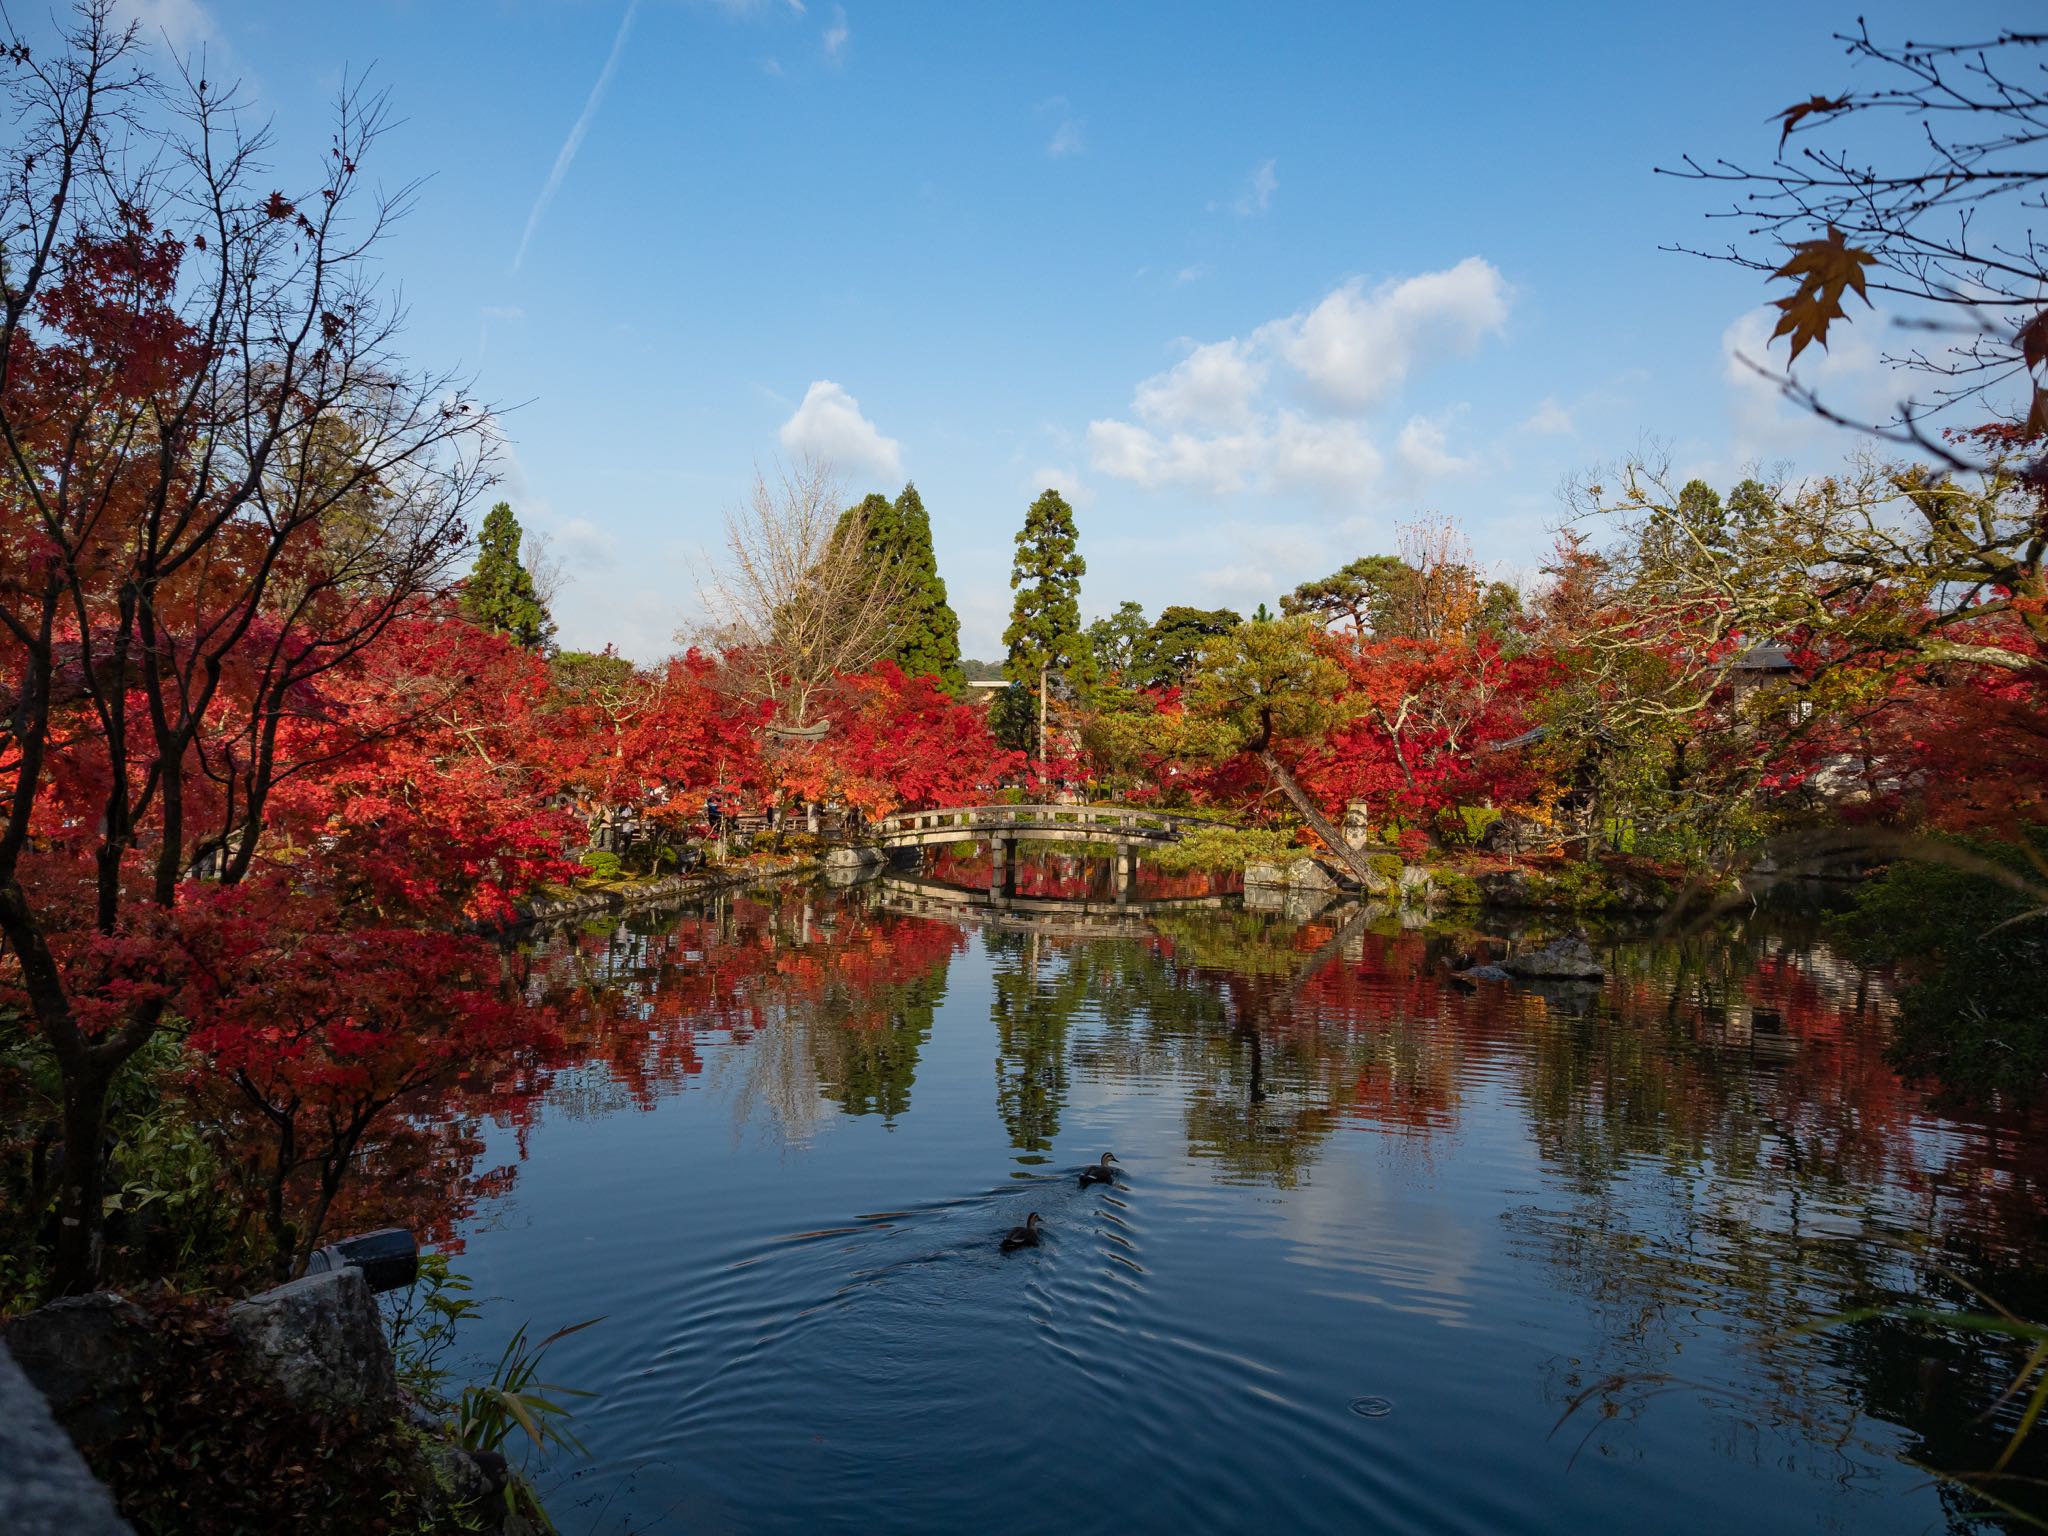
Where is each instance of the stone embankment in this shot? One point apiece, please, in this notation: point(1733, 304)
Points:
point(623, 896)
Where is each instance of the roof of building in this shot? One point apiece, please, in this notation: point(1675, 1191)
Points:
point(1766, 656)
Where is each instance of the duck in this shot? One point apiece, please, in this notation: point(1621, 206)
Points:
point(1099, 1173)
point(1025, 1236)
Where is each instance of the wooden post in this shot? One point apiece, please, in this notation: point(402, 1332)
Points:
point(1123, 873)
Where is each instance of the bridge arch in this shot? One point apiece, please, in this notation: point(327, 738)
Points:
point(1002, 827)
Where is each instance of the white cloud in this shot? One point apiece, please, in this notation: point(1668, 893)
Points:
point(1551, 420)
point(583, 545)
point(1220, 419)
point(1213, 386)
point(1850, 378)
point(566, 156)
point(1219, 464)
point(1331, 455)
point(1050, 478)
point(1261, 560)
point(1424, 450)
point(837, 34)
point(1257, 197)
point(1355, 348)
point(179, 23)
point(828, 426)
point(771, 66)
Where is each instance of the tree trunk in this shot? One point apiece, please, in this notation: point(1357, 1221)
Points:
point(273, 1210)
point(1367, 877)
point(1041, 714)
point(81, 1182)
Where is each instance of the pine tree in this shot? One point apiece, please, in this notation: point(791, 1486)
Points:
point(1045, 619)
point(499, 594)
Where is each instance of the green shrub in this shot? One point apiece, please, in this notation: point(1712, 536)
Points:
point(1454, 888)
point(601, 864)
point(1224, 848)
point(1466, 824)
point(1387, 866)
point(1581, 887)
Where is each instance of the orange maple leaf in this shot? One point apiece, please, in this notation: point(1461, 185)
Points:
point(1825, 270)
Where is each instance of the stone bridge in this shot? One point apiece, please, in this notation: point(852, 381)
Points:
point(1003, 826)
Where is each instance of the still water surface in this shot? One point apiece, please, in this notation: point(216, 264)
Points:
point(1374, 1235)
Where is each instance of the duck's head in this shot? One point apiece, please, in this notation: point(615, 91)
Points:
point(1108, 1158)
point(1031, 1222)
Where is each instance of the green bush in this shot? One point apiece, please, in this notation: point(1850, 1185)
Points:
point(1466, 824)
point(1455, 889)
point(1387, 866)
point(1225, 848)
point(602, 865)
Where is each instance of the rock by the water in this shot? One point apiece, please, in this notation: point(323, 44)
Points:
point(1309, 875)
point(1566, 959)
point(854, 858)
point(1512, 834)
point(1483, 973)
point(321, 1340)
point(1264, 876)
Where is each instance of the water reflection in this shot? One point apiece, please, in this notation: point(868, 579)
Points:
point(1620, 1200)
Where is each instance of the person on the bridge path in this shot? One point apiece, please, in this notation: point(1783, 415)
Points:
point(712, 813)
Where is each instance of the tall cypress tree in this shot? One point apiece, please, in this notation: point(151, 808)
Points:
point(897, 538)
point(499, 594)
point(1045, 618)
point(929, 642)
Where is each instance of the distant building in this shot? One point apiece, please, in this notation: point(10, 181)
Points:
point(1760, 664)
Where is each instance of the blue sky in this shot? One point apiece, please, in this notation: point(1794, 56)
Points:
point(1253, 284)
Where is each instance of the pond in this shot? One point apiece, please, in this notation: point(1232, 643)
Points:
point(1384, 1251)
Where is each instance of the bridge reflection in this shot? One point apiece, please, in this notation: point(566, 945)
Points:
point(920, 896)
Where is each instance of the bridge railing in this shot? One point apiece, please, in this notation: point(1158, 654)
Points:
point(996, 818)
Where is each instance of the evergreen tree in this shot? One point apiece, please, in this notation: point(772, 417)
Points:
point(1114, 643)
point(1369, 594)
point(897, 537)
point(929, 643)
point(1751, 507)
point(1175, 639)
point(499, 594)
point(1044, 636)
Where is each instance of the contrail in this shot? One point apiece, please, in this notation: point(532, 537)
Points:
point(575, 140)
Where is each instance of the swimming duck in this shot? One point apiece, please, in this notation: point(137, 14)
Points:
point(1099, 1173)
point(1025, 1236)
